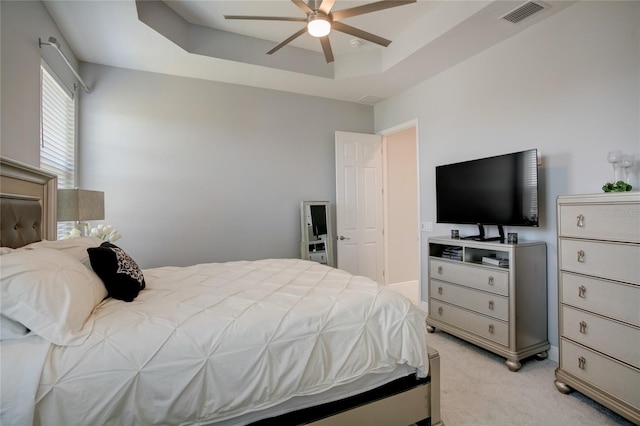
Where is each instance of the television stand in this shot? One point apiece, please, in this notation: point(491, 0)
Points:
point(481, 235)
point(491, 294)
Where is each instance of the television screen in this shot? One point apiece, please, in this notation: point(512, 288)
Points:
point(500, 190)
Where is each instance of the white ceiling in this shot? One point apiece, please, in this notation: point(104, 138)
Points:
point(388, 23)
point(191, 38)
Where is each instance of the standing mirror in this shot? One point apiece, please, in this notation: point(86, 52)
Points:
point(317, 233)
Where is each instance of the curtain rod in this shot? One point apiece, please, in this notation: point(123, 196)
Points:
point(54, 43)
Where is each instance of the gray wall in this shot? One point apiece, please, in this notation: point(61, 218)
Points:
point(569, 86)
point(193, 171)
point(22, 24)
point(197, 171)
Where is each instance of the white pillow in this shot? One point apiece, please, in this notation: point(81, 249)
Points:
point(50, 293)
point(75, 247)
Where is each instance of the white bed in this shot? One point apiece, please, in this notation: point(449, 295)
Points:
point(219, 343)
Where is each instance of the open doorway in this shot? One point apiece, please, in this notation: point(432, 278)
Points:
point(401, 210)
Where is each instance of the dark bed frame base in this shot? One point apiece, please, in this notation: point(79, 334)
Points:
point(312, 414)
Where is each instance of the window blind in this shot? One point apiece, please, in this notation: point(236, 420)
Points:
point(57, 134)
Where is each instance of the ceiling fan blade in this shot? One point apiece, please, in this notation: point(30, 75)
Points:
point(326, 5)
point(368, 8)
point(303, 6)
point(326, 48)
point(344, 28)
point(287, 41)
point(265, 18)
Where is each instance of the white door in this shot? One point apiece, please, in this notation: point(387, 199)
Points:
point(359, 204)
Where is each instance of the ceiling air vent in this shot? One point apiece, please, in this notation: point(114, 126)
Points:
point(369, 100)
point(524, 11)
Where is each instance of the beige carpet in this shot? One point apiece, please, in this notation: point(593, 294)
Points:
point(478, 389)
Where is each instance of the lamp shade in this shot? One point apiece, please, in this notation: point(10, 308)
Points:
point(80, 205)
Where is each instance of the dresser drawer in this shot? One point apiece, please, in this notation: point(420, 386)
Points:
point(617, 222)
point(605, 260)
point(609, 298)
point(489, 328)
point(621, 341)
point(486, 279)
point(485, 303)
point(611, 376)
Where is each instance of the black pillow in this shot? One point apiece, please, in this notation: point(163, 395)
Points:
point(118, 271)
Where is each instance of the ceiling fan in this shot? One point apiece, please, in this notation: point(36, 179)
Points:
point(321, 20)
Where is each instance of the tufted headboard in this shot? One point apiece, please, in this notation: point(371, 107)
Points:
point(21, 221)
point(27, 204)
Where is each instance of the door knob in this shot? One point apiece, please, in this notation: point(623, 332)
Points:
point(342, 237)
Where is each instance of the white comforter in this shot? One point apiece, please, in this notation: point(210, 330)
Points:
point(210, 342)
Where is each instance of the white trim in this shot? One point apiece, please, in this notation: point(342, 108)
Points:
point(385, 209)
point(554, 353)
point(403, 283)
point(384, 133)
point(400, 127)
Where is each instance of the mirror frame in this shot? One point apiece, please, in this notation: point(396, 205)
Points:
point(306, 239)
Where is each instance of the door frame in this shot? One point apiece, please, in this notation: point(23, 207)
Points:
point(385, 133)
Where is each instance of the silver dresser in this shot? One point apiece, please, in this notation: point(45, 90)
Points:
point(599, 299)
point(501, 308)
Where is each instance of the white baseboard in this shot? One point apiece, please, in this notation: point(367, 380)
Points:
point(554, 354)
point(409, 289)
point(412, 283)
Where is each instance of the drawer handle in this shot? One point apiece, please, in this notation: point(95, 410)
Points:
point(580, 221)
point(491, 304)
point(490, 280)
point(440, 270)
point(581, 256)
point(582, 292)
point(582, 363)
point(491, 328)
point(583, 327)
point(439, 290)
point(439, 310)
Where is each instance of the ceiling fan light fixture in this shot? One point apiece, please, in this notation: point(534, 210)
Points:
point(321, 21)
point(318, 26)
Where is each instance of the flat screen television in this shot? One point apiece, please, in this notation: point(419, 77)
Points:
point(500, 190)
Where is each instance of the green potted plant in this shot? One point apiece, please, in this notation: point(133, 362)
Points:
point(619, 186)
